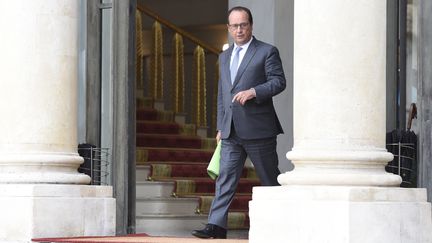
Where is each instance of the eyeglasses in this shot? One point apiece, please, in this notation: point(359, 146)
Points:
point(234, 27)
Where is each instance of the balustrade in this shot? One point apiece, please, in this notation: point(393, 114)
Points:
point(159, 82)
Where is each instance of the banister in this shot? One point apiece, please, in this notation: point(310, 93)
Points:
point(182, 32)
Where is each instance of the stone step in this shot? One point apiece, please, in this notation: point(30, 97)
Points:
point(169, 225)
point(167, 206)
point(148, 189)
point(146, 154)
point(143, 102)
point(150, 114)
point(179, 225)
point(142, 173)
point(168, 141)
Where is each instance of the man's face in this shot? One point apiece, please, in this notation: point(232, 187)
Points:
point(239, 27)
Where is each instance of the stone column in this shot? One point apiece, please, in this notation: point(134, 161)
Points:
point(38, 127)
point(425, 95)
point(340, 95)
point(38, 142)
point(339, 191)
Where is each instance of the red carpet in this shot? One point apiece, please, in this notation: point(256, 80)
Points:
point(168, 140)
point(184, 169)
point(147, 155)
point(138, 238)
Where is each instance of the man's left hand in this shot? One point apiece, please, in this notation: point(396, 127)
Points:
point(244, 96)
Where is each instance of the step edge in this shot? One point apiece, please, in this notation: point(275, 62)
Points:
point(154, 182)
point(170, 216)
point(176, 149)
point(170, 199)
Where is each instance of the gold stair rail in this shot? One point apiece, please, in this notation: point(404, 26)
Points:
point(183, 33)
point(157, 63)
point(178, 69)
point(199, 88)
point(140, 50)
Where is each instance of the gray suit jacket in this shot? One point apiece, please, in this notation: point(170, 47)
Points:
point(261, 68)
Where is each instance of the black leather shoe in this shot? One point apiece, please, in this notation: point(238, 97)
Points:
point(211, 231)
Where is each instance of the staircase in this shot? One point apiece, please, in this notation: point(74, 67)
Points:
point(173, 190)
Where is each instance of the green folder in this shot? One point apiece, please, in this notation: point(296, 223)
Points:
point(213, 167)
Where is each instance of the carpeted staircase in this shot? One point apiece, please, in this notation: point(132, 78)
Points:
point(171, 174)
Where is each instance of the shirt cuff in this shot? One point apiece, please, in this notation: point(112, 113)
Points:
point(253, 92)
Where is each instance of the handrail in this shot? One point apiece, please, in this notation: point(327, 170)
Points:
point(182, 32)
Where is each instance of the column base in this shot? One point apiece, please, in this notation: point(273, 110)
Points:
point(339, 214)
point(345, 177)
point(42, 167)
point(347, 167)
point(41, 211)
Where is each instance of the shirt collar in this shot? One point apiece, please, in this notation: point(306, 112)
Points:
point(245, 46)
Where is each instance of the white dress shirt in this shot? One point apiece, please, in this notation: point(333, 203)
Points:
point(241, 55)
point(242, 51)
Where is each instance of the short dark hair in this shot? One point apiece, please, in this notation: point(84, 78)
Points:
point(240, 8)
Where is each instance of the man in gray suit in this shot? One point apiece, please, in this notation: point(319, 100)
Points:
point(251, 74)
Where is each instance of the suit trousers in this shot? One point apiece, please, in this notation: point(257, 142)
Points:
point(262, 153)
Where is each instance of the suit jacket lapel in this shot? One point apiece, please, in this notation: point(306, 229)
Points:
point(245, 62)
point(226, 66)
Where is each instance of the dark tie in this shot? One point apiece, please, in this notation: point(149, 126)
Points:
point(235, 64)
